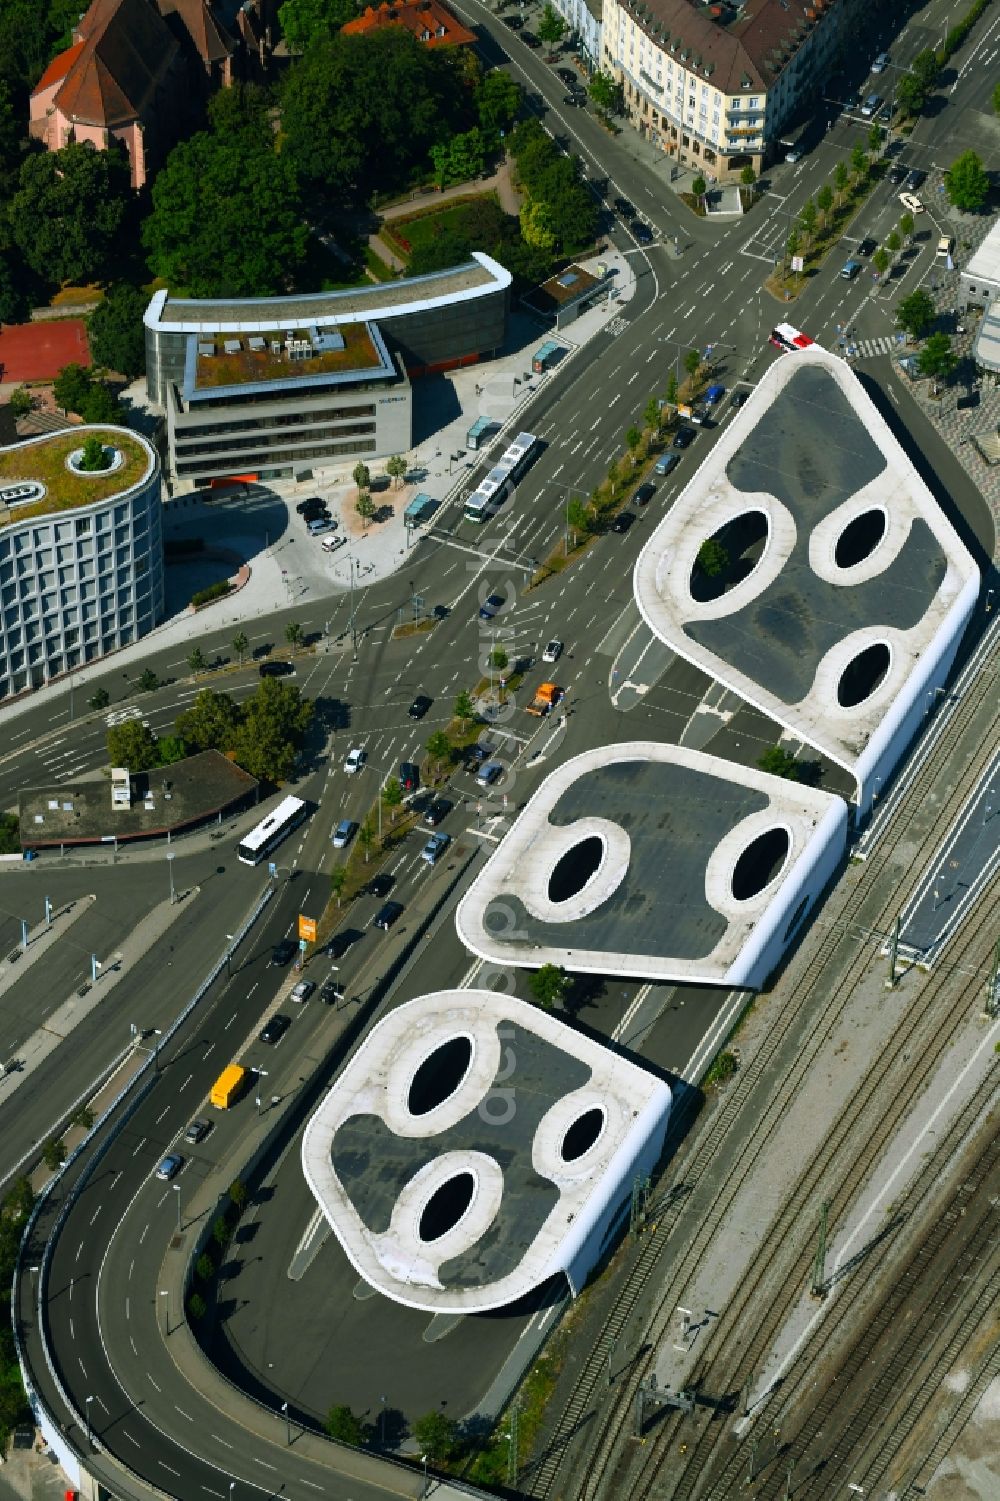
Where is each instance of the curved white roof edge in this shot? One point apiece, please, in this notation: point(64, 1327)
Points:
point(953, 602)
point(764, 916)
point(153, 316)
point(561, 1244)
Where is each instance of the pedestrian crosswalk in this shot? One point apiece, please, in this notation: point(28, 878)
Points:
point(865, 348)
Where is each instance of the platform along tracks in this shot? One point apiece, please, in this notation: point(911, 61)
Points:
point(817, 989)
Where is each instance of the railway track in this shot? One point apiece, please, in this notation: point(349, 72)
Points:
point(861, 911)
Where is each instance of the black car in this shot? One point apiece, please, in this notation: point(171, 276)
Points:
point(409, 776)
point(737, 399)
point(867, 247)
point(568, 77)
point(623, 207)
point(623, 521)
point(641, 232)
point(313, 503)
point(516, 23)
point(380, 884)
point(644, 495)
point(337, 946)
point(530, 40)
point(684, 437)
point(419, 706)
point(897, 174)
point(441, 612)
point(275, 1029)
point(276, 670)
point(575, 101)
point(330, 993)
point(915, 179)
point(436, 812)
point(386, 915)
point(492, 606)
point(284, 951)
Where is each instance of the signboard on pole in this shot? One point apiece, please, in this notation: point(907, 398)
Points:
point(798, 263)
point(307, 928)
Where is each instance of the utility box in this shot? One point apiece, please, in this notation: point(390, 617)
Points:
point(121, 787)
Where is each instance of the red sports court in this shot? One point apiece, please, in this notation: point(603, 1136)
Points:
point(38, 351)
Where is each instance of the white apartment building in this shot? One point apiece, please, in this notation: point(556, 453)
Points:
point(714, 85)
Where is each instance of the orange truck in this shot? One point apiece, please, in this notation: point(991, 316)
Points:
point(545, 699)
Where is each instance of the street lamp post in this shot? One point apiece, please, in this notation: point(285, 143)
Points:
point(170, 869)
point(86, 1403)
point(423, 1461)
point(177, 1191)
point(229, 956)
point(288, 1424)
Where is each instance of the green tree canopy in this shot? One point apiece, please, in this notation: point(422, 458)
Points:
point(748, 176)
point(548, 985)
point(72, 387)
point(996, 100)
point(606, 92)
point(439, 747)
point(859, 161)
point(915, 313)
point(15, 301)
point(227, 217)
point(132, 745)
point(824, 199)
point(70, 210)
point(360, 113)
point(459, 159)
point(464, 707)
point(365, 507)
point(211, 722)
point(171, 748)
point(392, 795)
point(344, 1426)
point(699, 187)
point(692, 362)
point(841, 178)
point(880, 260)
point(436, 1436)
point(967, 184)
point(554, 180)
point(779, 762)
point(926, 68)
point(274, 721)
point(395, 468)
point(305, 22)
point(937, 358)
point(498, 102)
point(713, 558)
point(906, 225)
point(115, 330)
point(551, 25)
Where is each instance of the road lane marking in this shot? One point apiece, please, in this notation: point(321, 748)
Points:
point(95, 1214)
point(72, 1332)
point(184, 1414)
point(187, 1081)
point(154, 1382)
point(131, 1440)
point(221, 1441)
point(163, 1112)
point(78, 1250)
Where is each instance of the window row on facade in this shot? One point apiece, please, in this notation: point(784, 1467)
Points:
point(267, 457)
point(296, 418)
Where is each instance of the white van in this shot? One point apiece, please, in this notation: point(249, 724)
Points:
point(330, 544)
point(945, 250)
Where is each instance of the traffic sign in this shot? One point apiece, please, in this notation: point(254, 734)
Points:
point(307, 929)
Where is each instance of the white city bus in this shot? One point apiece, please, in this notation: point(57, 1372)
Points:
point(787, 339)
point(271, 830)
point(492, 491)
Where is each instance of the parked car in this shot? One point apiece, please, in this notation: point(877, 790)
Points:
point(283, 952)
point(386, 915)
point(530, 40)
point(436, 812)
point(569, 78)
point(715, 393)
point(912, 202)
point(355, 760)
point(337, 945)
point(197, 1131)
point(738, 398)
point(492, 606)
point(641, 232)
point(643, 495)
point(870, 105)
point(624, 207)
point(320, 525)
point(683, 437)
point(276, 670)
point(881, 63)
point(409, 776)
point(793, 155)
point(419, 706)
point(170, 1167)
point(435, 848)
point(698, 415)
point(303, 990)
point(515, 23)
point(313, 503)
point(575, 101)
point(552, 652)
point(274, 1029)
point(330, 544)
point(344, 833)
point(380, 884)
point(623, 521)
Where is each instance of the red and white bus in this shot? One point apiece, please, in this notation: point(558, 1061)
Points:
point(786, 338)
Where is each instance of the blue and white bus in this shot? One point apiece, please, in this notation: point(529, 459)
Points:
point(271, 830)
point(492, 491)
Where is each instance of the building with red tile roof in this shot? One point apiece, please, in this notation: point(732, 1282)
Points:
point(427, 20)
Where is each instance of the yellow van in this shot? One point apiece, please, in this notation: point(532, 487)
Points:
point(228, 1086)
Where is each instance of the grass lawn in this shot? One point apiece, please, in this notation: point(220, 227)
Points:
point(46, 461)
point(417, 232)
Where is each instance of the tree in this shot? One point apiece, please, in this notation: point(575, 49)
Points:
point(238, 1194)
point(147, 681)
point(464, 707)
point(911, 96)
point(915, 313)
point(94, 456)
point(692, 362)
point(808, 215)
point(893, 243)
point(841, 178)
point(84, 1118)
point(305, 22)
point(633, 441)
point(221, 1232)
point(926, 68)
point(498, 659)
point(241, 645)
point(70, 210)
point(713, 558)
point(392, 797)
point(274, 721)
point(71, 388)
point(365, 507)
point(699, 188)
point(824, 200)
point(115, 330)
point(606, 92)
point(211, 722)
point(537, 228)
point(880, 260)
point(459, 159)
point(996, 100)
point(439, 747)
point(748, 176)
point(792, 245)
point(937, 358)
point(99, 700)
point(778, 762)
point(614, 476)
point(205, 1267)
point(670, 396)
point(228, 218)
point(338, 880)
point(651, 413)
point(548, 985)
point(498, 102)
point(967, 184)
point(362, 476)
point(859, 162)
point(21, 401)
point(436, 1436)
point(196, 660)
point(294, 634)
point(874, 138)
point(906, 226)
point(342, 1425)
point(133, 745)
point(395, 468)
point(366, 838)
point(54, 1154)
point(551, 27)
point(196, 1306)
point(172, 748)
